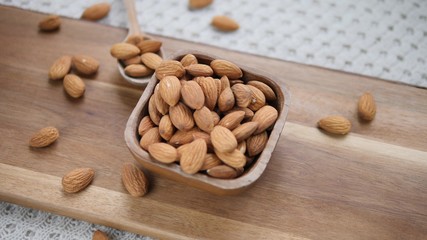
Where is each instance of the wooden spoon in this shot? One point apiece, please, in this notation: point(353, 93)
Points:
point(134, 30)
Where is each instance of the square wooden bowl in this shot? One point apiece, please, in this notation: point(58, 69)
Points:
point(199, 180)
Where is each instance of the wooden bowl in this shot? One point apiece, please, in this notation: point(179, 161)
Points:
point(199, 180)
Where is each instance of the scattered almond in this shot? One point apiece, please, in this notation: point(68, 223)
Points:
point(85, 64)
point(192, 95)
point(257, 98)
point(154, 113)
point(224, 23)
point(161, 105)
point(188, 59)
point(124, 51)
point(226, 68)
point(44, 137)
point(203, 119)
point(366, 107)
point(198, 70)
point(223, 139)
point(151, 60)
point(60, 68)
point(182, 137)
point(198, 4)
point(170, 68)
point(170, 90)
point(96, 11)
point(234, 158)
point(232, 120)
point(99, 235)
point(134, 180)
point(222, 171)
point(265, 89)
point(245, 130)
point(225, 83)
point(134, 60)
point(77, 180)
point(335, 124)
point(226, 100)
point(256, 143)
point(138, 70)
point(181, 117)
point(210, 91)
point(50, 23)
point(152, 46)
point(163, 152)
point(166, 128)
point(145, 125)
point(265, 117)
point(242, 94)
point(193, 156)
point(150, 137)
point(74, 85)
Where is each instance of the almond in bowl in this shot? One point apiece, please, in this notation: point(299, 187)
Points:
point(208, 123)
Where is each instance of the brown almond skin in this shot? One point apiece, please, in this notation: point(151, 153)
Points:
point(215, 118)
point(226, 68)
point(232, 120)
point(154, 113)
point(181, 117)
point(135, 39)
point(222, 171)
point(189, 59)
point(242, 94)
point(151, 60)
point(145, 125)
point(265, 117)
point(138, 70)
point(149, 46)
point(335, 124)
point(245, 130)
point(223, 139)
point(124, 51)
point(256, 144)
point(209, 88)
point(199, 70)
point(96, 11)
point(211, 160)
point(99, 235)
point(44, 137)
point(366, 108)
point(257, 99)
point(170, 68)
point(170, 90)
point(264, 88)
point(134, 180)
point(150, 137)
point(182, 137)
point(160, 103)
point(248, 113)
point(130, 61)
point(224, 23)
point(226, 100)
point(74, 85)
point(192, 95)
point(203, 119)
point(163, 152)
point(193, 156)
point(234, 159)
point(84, 64)
point(60, 68)
point(225, 83)
point(166, 128)
point(50, 23)
point(77, 180)
point(199, 4)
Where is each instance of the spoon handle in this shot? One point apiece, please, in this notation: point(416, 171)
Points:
point(132, 19)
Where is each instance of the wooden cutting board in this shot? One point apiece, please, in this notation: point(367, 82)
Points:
point(370, 184)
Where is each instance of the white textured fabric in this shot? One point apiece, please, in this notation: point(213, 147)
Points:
point(379, 38)
point(21, 223)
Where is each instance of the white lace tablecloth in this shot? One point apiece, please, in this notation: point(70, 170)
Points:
point(379, 38)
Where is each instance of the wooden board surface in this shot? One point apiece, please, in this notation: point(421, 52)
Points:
point(371, 184)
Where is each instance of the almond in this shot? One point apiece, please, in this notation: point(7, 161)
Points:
point(163, 152)
point(222, 171)
point(242, 94)
point(256, 143)
point(96, 11)
point(182, 137)
point(181, 149)
point(265, 89)
point(166, 128)
point(236, 81)
point(232, 120)
point(161, 105)
point(155, 115)
point(181, 117)
point(205, 136)
point(138, 70)
point(198, 4)
point(189, 59)
point(124, 51)
point(225, 83)
point(223, 139)
point(335, 124)
point(135, 39)
point(50, 23)
point(151, 60)
point(145, 125)
point(99, 235)
point(245, 130)
point(198, 70)
point(226, 100)
point(210, 91)
point(74, 85)
point(218, 86)
point(134, 180)
point(257, 99)
point(234, 158)
point(203, 119)
point(170, 90)
point(149, 46)
point(77, 180)
point(60, 68)
point(170, 68)
point(44, 137)
point(226, 68)
point(215, 118)
point(248, 113)
point(210, 161)
point(242, 148)
point(192, 95)
point(224, 23)
point(134, 60)
point(85, 64)
point(366, 107)
point(193, 156)
point(265, 117)
point(150, 137)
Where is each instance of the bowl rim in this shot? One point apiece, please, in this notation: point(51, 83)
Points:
point(243, 181)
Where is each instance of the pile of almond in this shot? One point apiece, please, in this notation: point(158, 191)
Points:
point(205, 118)
point(138, 55)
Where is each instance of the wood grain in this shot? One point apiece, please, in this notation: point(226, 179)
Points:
point(371, 184)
